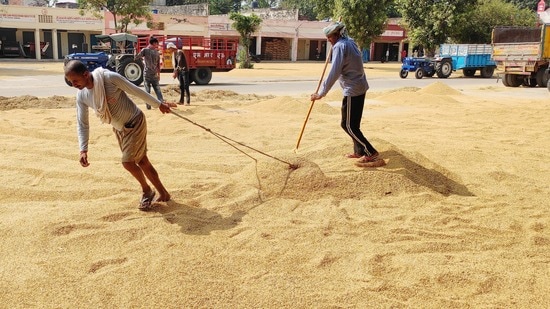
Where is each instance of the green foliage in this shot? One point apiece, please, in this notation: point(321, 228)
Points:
point(242, 57)
point(220, 7)
point(182, 2)
point(476, 25)
point(129, 11)
point(525, 4)
point(430, 22)
point(324, 9)
point(393, 10)
point(364, 19)
point(267, 3)
point(245, 26)
point(307, 8)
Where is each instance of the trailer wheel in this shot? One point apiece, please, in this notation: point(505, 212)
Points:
point(487, 72)
point(469, 72)
point(403, 73)
point(444, 69)
point(131, 69)
point(201, 76)
point(419, 73)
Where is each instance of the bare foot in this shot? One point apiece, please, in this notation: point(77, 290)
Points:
point(165, 197)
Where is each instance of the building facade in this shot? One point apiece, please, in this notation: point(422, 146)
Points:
point(52, 32)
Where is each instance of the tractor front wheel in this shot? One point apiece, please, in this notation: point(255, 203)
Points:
point(403, 73)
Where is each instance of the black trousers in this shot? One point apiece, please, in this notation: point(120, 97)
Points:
point(352, 112)
point(183, 78)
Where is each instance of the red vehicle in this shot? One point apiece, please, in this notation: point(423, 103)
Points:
point(203, 55)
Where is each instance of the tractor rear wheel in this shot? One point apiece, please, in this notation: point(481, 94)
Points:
point(419, 73)
point(444, 69)
point(131, 69)
point(403, 73)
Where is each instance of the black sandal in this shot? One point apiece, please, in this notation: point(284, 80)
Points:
point(147, 200)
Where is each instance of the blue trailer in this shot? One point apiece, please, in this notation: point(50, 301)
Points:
point(467, 57)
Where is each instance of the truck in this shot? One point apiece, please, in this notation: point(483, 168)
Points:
point(522, 54)
point(204, 55)
point(114, 52)
point(452, 57)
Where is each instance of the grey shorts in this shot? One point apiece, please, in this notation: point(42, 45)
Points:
point(133, 139)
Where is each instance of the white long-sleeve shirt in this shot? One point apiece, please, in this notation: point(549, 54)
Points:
point(121, 107)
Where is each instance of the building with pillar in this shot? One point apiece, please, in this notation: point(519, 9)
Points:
point(45, 32)
point(391, 43)
point(52, 33)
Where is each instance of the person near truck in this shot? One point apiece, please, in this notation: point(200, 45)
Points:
point(181, 71)
point(347, 68)
point(151, 71)
point(106, 93)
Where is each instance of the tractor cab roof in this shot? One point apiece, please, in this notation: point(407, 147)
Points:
point(117, 37)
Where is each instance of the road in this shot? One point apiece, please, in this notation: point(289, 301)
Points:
point(45, 84)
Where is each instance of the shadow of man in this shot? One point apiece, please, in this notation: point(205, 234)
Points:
point(198, 221)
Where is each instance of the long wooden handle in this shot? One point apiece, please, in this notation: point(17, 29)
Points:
point(312, 101)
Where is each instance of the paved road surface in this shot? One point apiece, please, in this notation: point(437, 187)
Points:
point(49, 85)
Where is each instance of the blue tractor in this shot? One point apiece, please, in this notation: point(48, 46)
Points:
point(420, 66)
point(115, 53)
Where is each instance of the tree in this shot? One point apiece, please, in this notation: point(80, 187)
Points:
point(183, 2)
point(245, 26)
point(430, 22)
point(129, 11)
point(525, 4)
point(364, 19)
point(220, 7)
point(306, 8)
point(476, 26)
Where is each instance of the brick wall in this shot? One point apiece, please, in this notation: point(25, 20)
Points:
point(276, 49)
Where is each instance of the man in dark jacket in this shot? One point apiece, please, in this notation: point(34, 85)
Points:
point(181, 71)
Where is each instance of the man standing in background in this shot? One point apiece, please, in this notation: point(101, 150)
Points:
point(151, 59)
point(181, 71)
